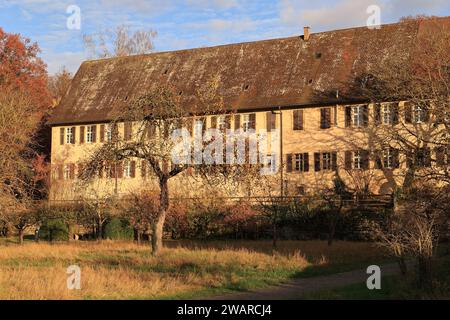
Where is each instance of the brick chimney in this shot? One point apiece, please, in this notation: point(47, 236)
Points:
point(306, 33)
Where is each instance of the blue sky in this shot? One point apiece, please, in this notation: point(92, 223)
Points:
point(192, 23)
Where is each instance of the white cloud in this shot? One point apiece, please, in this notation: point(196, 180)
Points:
point(221, 4)
point(345, 13)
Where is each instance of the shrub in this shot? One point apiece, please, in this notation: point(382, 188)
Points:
point(54, 230)
point(119, 229)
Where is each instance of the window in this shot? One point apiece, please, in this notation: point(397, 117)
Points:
point(326, 161)
point(357, 160)
point(128, 130)
point(109, 133)
point(325, 118)
point(388, 158)
point(302, 162)
point(246, 122)
point(127, 169)
point(298, 120)
point(419, 114)
point(387, 114)
point(200, 125)
point(70, 135)
point(357, 116)
point(271, 162)
point(109, 170)
point(67, 172)
point(90, 134)
point(222, 123)
point(423, 157)
point(249, 122)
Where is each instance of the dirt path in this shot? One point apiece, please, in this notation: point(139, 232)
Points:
point(296, 289)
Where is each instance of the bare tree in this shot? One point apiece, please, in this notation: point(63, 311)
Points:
point(155, 118)
point(18, 121)
point(58, 84)
point(119, 42)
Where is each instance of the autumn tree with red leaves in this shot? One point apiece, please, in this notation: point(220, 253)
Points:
point(24, 101)
point(21, 69)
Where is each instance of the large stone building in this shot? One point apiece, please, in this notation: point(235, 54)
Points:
point(297, 78)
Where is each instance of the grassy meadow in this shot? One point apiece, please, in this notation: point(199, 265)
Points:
point(124, 270)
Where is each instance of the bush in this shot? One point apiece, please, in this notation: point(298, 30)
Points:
point(119, 229)
point(54, 230)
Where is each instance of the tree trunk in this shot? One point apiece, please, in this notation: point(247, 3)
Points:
point(402, 265)
point(21, 234)
point(36, 234)
point(138, 236)
point(275, 236)
point(99, 229)
point(425, 277)
point(158, 225)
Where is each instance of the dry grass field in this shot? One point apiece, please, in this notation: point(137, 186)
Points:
point(123, 270)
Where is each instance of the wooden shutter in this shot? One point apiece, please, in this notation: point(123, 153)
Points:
point(271, 119)
point(115, 131)
point(298, 119)
point(60, 172)
point(426, 112)
point(143, 168)
point(408, 112)
point(82, 134)
point(377, 113)
point(394, 112)
point(289, 163)
point(102, 133)
point(306, 162)
point(427, 157)
point(228, 122)
point(119, 167)
point(334, 161)
point(348, 160)
point(214, 122)
point(74, 133)
point(378, 160)
point(113, 167)
point(133, 169)
point(61, 136)
point(410, 159)
point(317, 162)
point(252, 118)
point(325, 118)
point(365, 115)
point(94, 133)
point(348, 116)
point(190, 126)
point(150, 130)
point(100, 170)
point(71, 171)
point(365, 159)
point(395, 158)
point(128, 130)
point(203, 120)
point(237, 121)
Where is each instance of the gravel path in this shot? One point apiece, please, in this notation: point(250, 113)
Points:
point(296, 289)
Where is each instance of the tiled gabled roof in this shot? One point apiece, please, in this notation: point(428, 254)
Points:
point(254, 75)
